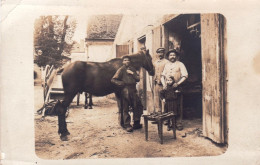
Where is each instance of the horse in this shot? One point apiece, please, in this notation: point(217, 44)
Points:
point(94, 78)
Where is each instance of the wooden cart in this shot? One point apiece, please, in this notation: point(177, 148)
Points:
point(52, 87)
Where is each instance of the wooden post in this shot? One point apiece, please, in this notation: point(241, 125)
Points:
point(146, 128)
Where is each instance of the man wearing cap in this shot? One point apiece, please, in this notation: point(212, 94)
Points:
point(177, 70)
point(158, 67)
point(126, 78)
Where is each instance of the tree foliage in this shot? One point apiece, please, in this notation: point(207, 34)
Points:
point(53, 38)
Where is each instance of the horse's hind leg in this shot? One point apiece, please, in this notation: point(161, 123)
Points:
point(90, 101)
point(88, 105)
point(86, 100)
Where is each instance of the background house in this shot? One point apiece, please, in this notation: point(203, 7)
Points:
point(78, 52)
point(101, 32)
point(78, 47)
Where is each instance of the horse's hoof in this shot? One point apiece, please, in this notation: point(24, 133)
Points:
point(86, 107)
point(64, 137)
point(90, 107)
point(67, 133)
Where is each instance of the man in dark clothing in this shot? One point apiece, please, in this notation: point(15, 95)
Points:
point(126, 78)
point(159, 66)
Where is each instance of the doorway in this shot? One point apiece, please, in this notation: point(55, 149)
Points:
point(183, 34)
point(200, 39)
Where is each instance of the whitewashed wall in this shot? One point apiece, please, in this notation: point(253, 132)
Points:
point(99, 53)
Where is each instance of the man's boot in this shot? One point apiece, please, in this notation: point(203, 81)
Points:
point(129, 129)
point(137, 125)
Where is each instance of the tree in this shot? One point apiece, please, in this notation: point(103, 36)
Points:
point(53, 38)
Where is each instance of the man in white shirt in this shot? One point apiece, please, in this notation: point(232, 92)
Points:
point(177, 70)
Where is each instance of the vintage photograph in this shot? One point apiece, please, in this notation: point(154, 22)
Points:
point(130, 86)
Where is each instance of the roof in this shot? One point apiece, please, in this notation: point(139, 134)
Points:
point(103, 26)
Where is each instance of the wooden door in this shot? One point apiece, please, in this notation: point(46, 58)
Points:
point(131, 47)
point(122, 50)
point(157, 40)
point(213, 76)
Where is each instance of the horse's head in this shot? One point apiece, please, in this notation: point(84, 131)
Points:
point(147, 63)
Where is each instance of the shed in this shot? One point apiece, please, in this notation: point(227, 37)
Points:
point(201, 41)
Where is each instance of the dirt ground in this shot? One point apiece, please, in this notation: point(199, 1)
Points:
point(96, 134)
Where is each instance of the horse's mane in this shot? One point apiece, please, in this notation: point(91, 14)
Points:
point(120, 58)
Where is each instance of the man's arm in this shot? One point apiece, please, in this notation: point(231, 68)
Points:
point(163, 77)
point(135, 74)
point(184, 75)
point(117, 78)
point(163, 81)
point(181, 80)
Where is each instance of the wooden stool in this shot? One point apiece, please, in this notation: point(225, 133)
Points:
point(159, 119)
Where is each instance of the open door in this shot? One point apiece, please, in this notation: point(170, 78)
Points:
point(122, 50)
point(213, 77)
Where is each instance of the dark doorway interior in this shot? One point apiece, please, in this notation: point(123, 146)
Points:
point(184, 35)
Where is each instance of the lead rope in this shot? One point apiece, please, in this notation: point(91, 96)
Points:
point(152, 93)
point(151, 88)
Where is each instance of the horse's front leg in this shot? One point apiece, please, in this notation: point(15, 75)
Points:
point(62, 109)
point(78, 99)
point(90, 101)
point(63, 131)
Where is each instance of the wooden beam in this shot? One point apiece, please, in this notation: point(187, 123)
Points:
point(191, 26)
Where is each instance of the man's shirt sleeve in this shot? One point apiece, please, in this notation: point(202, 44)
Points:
point(184, 72)
point(117, 78)
point(118, 74)
point(136, 76)
point(164, 70)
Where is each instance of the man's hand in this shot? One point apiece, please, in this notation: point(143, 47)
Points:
point(175, 85)
point(121, 84)
point(163, 100)
point(129, 71)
